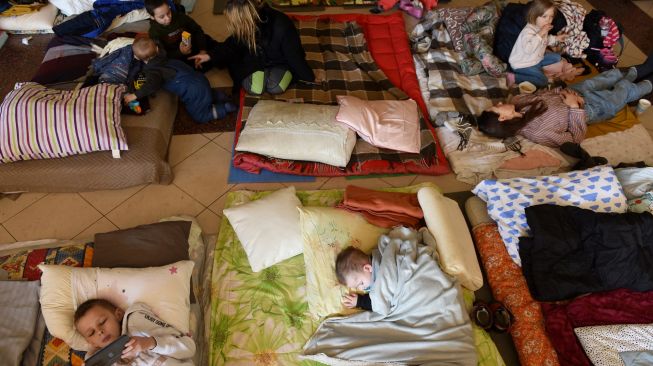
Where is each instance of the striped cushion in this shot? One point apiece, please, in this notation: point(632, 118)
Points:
point(40, 123)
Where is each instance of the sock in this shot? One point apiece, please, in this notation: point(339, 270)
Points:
point(645, 69)
point(219, 111)
point(574, 150)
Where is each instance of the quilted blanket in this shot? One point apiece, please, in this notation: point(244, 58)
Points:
point(339, 52)
point(445, 88)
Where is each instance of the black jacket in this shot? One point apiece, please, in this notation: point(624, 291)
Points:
point(154, 75)
point(575, 251)
point(278, 44)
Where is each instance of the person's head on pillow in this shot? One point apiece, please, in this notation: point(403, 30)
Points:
point(354, 269)
point(505, 120)
point(99, 322)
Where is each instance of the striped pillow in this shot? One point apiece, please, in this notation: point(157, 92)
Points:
point(41, 123)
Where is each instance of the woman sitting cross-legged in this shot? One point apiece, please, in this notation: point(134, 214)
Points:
point(553, 117)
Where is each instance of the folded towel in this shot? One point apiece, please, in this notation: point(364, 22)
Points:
point(384, 209)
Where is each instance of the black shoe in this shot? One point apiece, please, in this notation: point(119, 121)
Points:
point(590, 163)
point(574, 150)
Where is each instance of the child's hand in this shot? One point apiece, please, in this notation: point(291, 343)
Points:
point(545, 30)
point(200, 58)
point(184, 49)
point(136, 345)
point(129, 98)
point(350, 300)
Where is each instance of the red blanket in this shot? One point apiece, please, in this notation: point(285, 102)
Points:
point(387, 42)
point(384, 209)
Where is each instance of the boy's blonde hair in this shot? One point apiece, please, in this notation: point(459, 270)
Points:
point(90, 304)
point(350, 260)
point(537, 8)
point(144, 48)
point(242, 21)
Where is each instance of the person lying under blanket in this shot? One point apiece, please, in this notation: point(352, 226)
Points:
point(418, 315)
point(152, 341)
point(553, 117)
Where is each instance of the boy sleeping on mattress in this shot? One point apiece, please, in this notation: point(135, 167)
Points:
point(407, 324)
point(152, 341)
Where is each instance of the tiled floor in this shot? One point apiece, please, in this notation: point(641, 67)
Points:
point(200, 166)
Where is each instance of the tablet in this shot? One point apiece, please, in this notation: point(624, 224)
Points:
point(110, 354)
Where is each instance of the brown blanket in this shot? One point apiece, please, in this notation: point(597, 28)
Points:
point(385, 209)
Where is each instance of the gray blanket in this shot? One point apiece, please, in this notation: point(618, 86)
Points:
point(418, 315)
point(19, 311)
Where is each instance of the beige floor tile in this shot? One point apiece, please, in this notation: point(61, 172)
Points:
point(447, 183)
point(9, 208)
point(218, 205)
point(219, 78)
point(213, 135)
point(5, 237)
point(646, 6)
point(102, 225)
point(204, 174)
point(183, 146)
point(226, 141)
point(342, 182)
point(257, 187)
point(399, 181)
point(105, 201)
point(153, 203)
point(308, 186)
point(57, 215)
point(632, 51)
point(209, 221)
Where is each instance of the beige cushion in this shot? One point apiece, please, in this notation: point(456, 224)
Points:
point(63, 288)
point(455, 248)
point(326, 232)
point(297, 131)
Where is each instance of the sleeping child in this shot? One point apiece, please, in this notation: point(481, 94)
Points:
point(191, 86)
point(529, 54)
point(152, 342)
point(355, 270)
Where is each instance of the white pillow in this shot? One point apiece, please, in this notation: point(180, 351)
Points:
point(454, 245)
point(268, 228)
point(297, 131)
point(40, 21)
point(602, 344)
point(72, 7)
point(165, 289)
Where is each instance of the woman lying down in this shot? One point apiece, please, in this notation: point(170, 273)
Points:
point(151, 340)
point(418, 314)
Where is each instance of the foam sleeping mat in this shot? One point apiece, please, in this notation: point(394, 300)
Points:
point(362, 55)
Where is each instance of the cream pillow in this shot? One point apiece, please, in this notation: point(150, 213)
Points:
point(297, 131)
point(268, 228)
point(454, 245)
point(165, 289)
point(326, 232)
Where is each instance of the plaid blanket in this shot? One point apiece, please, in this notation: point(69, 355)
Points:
point(338, 51)
point(444, 86)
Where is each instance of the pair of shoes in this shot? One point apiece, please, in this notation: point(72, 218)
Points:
point(494, 316)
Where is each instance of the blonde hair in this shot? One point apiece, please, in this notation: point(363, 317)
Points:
point(537, 9)
point(350, 260)
point(242, 21)
point(144, 48)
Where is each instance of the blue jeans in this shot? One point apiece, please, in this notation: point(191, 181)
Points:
point(607, 93)
point(534, 74)
point(194, 90)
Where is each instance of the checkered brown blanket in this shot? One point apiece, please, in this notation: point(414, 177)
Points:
point(445, 88)
point(338, 52)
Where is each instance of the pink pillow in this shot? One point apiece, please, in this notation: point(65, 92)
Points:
point(391, 124)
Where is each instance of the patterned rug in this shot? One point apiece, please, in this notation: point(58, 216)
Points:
point(22, 266)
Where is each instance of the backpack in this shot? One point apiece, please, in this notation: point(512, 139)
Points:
point(603, 33)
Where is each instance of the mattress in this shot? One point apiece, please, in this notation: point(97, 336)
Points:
point(148, 136)
point(509, 286)
point(387, 74)
point(18, 262)
point(263, 318)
